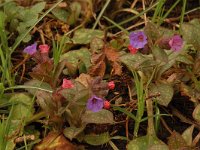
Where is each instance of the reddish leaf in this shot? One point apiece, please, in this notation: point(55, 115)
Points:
point(176, 141)
point(43, 71)
point(113, 57)
point(98, 67)
point(54, 141)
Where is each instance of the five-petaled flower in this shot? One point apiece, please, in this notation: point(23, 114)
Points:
point(31, 49)
point(67, 84)
point(95, 103)
point(176, 43)
point(44, 48)
point(138, 39)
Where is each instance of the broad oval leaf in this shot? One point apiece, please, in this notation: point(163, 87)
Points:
point(39, 84)
point(166, 92)
point(60, 13)
point(147, 143)
point(159, 54)
point(23, 106)
point(191, 33)
point(84, 36)
point(72, 132)
point(99, 139)
point(77, 60)
point(187, 135)
point(101, 117)
point(134, 62)
point(196, 113)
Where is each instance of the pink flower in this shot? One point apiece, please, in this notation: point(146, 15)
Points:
point(132, 49)
point(31, 49)
point(138, 39)
point(111, 85)
point(106, 104)
point(176, 43)
point(67, 84)
point(44, 48)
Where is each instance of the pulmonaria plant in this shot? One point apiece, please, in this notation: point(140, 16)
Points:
point(95, 103)
point(31, 49)
point(176, 43)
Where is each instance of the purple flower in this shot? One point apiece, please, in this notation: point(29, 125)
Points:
point(176, 43)
point(95, 103)
point(138, 39)
point(32, 49)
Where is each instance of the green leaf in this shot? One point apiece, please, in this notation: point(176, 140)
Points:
point(78, 95)
point(37, 8)
point(166, 92)
point(99, 139)
point(146, 143)
point(39, 84)
point(85, 36)
point(77, 60)
point(134, 62)
point(75, 8)
point(24, 107)
point(72, 132)
point(185, 58)
point(45, 101)
point(159, 54)
point(187, 135)
point(60, 14)
point(191, 33)
point(196, 113)
point(101, 117)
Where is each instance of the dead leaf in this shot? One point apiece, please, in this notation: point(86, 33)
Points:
point(54, 141)
point(113, 57)
point(98, 67)
point(43, 71)
point(84, 79)
point(176, 141)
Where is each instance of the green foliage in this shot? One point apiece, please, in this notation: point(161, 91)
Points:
point(146, 143)
point(77, 60)
point(21, 110)
point(21, 18)
point(187, 135)
point(191, 33)
point(36, 83)
point(101, 117)
point(61, 14)
point(196, 113)
point(166, 92)
point(97, 139)
point(24, 107)
point(84, 36)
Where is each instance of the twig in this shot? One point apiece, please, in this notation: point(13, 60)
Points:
point(25, 137)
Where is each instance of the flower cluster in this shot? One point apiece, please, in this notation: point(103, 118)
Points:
point(138, 40)
point(32, 49)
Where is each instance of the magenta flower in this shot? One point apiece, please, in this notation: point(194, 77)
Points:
point(31, 49)
point(67, 84)
point(138, 39)
point(95, 103)
point(176, 43)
